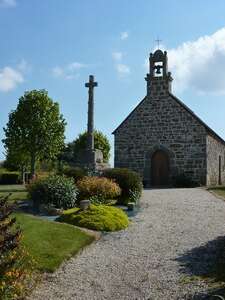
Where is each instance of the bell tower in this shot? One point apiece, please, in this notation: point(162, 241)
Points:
point(158, 79)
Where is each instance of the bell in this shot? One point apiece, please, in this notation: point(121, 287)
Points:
point(158, 69)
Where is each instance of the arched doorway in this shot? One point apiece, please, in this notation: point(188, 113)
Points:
point(160, 168)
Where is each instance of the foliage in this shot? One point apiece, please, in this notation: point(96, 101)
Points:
point(53, 190)
point(101, 143)
point(97, 217)
point(98, 200)
point(67, 154)
point(74, 172)
point(9, 178)
point(129, 182)
point(50, 243)
point(134, 196)
point(35, 130)
point(15, 263)
point(183, 181)
point(98, 187)
point(16, 160)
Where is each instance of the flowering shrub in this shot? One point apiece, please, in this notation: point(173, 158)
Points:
point(54, 190)
point(16, 274)
point(15, 263)
point(98, 188)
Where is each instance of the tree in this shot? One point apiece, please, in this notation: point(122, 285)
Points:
point(9, 241)
point(16, 265)
point(101, 143)
point(35, 130)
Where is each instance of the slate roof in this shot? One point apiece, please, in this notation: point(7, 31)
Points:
point(208, 129)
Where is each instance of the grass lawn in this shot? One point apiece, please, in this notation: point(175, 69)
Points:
point(50, 243)
point(219, 190)
point(18, 191)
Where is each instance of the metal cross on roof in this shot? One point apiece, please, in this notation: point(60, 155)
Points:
point(158, 42)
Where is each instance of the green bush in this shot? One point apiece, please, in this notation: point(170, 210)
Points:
point(97, 217)
point(183, 181)
point(98, 187)
point(75, 172)
point(9, 178)
point(54, 190)
point(129, 182)
point(15, 263)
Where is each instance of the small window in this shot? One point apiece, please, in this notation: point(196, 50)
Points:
point(158, 69)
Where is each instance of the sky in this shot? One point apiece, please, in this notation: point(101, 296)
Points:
point(56, 44)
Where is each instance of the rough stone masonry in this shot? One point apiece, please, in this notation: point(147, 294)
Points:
point(162, 138)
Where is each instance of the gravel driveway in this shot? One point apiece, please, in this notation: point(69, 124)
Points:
point(174, 236)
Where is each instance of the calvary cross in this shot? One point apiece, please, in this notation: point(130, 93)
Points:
point(90, 125)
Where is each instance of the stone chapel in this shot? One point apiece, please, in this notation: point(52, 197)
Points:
point(162, 138)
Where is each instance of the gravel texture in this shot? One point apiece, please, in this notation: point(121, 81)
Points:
point(173, 239)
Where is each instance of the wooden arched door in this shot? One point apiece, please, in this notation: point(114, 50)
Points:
point(160, 169)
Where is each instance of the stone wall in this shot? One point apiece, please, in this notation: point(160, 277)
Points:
point(160, 122)
point(215, 149)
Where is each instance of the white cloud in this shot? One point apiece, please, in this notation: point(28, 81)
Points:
point(69, 71)
point(200, 64)
point(8, 3)
point(23, 66)
point(9, 79)
point(124, 35)
point(117, 56)
point(122, 69)
point(57, 72)
point(76, 66)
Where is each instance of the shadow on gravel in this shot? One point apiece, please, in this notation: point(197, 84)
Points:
point(206, 263)
point(212, 294)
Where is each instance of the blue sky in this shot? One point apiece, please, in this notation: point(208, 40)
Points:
point(56, 44)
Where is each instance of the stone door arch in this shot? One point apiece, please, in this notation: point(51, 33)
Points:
point(160, 166)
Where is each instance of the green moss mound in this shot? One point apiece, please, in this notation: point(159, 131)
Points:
point(97, 217)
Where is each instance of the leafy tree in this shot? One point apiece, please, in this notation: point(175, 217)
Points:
point(35, 130)
point(16, 265)
point(101, 143)
point(16, 160)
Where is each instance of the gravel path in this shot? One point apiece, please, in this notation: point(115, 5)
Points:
point(173, 236)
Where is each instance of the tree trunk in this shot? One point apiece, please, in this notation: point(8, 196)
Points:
point(36, 203)
point(33, 160)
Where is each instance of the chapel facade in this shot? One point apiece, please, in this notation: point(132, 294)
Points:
point(162, 138)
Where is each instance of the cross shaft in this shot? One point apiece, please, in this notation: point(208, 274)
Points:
point(90, 125)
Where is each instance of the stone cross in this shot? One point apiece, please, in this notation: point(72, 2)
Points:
point(90, 126)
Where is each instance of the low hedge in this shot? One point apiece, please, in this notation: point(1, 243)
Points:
point(129, 181)
point(97, 217)
point(9, 178)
